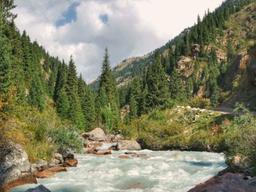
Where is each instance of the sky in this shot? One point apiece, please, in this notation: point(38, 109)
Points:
point(84, 28)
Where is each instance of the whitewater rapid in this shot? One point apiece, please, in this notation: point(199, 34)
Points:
point(156, 171)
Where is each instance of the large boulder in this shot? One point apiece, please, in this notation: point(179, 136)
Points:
point(96, 134)
point(128, 145)
point(14, 163)
point(227, 182)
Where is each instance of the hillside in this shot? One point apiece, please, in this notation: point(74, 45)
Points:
point(172, 98)
point(227, 34)
point(43, 102)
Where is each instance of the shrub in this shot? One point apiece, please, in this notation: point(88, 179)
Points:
point(66, 138)
point(200, 102)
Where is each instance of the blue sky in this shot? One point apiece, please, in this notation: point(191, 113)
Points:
point(69, 15)
point(83, 28)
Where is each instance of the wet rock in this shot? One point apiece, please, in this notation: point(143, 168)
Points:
point(107, 146)
point(14, 163)
point(70, 163)
point(66, 154)
point(44, 174)
point(39, 188)
point(28, 179)
point(136, 155)
point(124, 156)
point(49, 172)
point(227, 182)
point(91, 146)
point(103, 152)
point(128, 145)
point(96, 134)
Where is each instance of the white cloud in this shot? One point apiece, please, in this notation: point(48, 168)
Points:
point(133, 27)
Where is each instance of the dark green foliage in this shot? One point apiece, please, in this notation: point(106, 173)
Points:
point(5, 65)
point(176, 86)
point(75, 111)
point(87, 102)
point(135, 98)
point(107, 99)
point(36, 94)
point(157, 85)
point(30, 76)
point(62, 103)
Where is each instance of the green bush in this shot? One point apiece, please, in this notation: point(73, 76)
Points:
point(200, 103)
point(66, 138)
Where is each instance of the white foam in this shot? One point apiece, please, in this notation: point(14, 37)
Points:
point(161, 171)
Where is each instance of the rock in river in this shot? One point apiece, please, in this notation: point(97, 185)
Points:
point(40, 188)
point(128, 145)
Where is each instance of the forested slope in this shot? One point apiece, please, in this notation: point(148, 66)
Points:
point(211, 62)
point(44, 103)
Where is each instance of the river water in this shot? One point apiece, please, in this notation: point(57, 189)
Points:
point(154, 171)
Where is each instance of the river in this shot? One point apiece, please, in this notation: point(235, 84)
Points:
point(153, 171)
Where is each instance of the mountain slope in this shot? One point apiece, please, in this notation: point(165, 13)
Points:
point(227, 34)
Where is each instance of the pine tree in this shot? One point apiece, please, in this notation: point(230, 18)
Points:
point(5, 65)
point(5, 52)
point(133, 106)
point(134, 98)
point(60, 80)
point(87, 103)
point(62, 103)
point(176, 86)
point(107, 99)
point(36, 93)
point(157, 84)
point(75, 109)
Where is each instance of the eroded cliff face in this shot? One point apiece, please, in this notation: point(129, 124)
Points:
point(240, 80)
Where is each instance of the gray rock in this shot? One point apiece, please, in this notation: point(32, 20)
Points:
point(14, 163)
point(59, 157)
point(96, 134)
point(39, 165)
point(54, 162)
point(39, 188)
point(128, 145)
point(106, 146)
point(67, 154)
